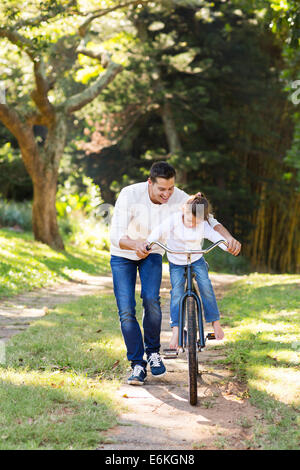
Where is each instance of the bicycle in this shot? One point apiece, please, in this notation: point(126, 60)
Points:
point(190, 337)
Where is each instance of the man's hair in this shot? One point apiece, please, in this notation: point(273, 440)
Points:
point(195, 201)
point(161, 170)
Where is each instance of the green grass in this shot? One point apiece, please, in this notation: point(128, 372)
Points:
point(261, 313)
point(57, 385)
point(26, 264)
point(58, 379)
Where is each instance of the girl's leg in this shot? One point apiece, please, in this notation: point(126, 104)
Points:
point(211, 311)
point(178, 282)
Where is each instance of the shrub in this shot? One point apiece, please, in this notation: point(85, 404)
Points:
point(16, 214)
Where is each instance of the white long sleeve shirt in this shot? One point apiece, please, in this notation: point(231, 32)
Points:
point(178, 237)
point(136, 216)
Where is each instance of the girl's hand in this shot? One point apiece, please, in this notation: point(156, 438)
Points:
point(234, 246)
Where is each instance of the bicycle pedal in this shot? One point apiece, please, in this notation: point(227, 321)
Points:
point(210, 336)
point(170, 353)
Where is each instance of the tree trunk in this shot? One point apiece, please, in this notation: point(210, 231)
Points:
point(44, 174)
point(44, 219)
point(171, 133)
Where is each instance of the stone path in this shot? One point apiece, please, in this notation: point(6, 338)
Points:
point(16, 313)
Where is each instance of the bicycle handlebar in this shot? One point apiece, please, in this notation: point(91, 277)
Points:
point(187, 252)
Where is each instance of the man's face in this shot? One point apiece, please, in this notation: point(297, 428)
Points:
point(161, 191)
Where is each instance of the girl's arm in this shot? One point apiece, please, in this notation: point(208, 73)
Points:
point(162, 231)
point(213, 235)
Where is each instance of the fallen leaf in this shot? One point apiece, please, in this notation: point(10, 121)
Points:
point(115, 364)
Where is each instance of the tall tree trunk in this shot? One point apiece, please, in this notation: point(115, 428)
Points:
point(44, 219)
point(171, 133)
point(44, 173)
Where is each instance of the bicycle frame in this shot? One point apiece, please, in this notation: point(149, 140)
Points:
point(190, 292)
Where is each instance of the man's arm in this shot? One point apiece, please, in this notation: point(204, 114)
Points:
point(234, 246)
point(139, 246)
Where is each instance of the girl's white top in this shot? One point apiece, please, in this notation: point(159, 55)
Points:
point(177, 236)
point(136, 216)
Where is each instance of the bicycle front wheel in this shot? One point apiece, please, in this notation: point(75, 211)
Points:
point(192, 349)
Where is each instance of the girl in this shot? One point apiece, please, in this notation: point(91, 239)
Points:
point(185, 230)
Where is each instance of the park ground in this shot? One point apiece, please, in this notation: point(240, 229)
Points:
point(63, 368)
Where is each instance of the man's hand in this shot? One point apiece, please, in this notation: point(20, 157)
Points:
point(234, 247)
point(140, 249)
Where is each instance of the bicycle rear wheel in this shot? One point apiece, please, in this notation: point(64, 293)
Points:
point(192, 348)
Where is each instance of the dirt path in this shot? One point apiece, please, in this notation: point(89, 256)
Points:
point(16, 313)
point(159, 415)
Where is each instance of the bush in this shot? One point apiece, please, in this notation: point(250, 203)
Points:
point(220, 261)
point(16, 214)
point(81, 230)
point(79, 213)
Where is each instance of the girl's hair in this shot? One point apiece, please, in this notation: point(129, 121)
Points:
point(195, 201)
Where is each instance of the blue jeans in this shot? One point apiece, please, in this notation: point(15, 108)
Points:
point(124, 273)
point(199, 267)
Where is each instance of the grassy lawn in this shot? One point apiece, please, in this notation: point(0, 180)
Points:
point(263, 348)
point(58, 380)
point(57, 384)
point(26, 264)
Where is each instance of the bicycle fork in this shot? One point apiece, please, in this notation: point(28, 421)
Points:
point(190, 293)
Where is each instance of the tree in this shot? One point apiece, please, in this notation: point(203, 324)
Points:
point(53, 42)
point(231, 118)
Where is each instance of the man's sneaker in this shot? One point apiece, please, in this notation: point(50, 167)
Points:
point(138, 375)
point(156, 364)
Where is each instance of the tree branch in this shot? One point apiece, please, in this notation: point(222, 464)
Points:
point(79, 100)
point(23, 133)
point(36, 21)
point(12, 121)
point(103, 57)
point(98, 13)
point(40, 94)
point(19, 40)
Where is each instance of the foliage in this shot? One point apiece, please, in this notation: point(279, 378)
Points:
point(48, 50)
point(222, 263)
point(15, 182)
point(186, 94)
point(225, 123)
point(15, 214)
point(78, 194)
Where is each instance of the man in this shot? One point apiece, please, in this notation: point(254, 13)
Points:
point(139, 208)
